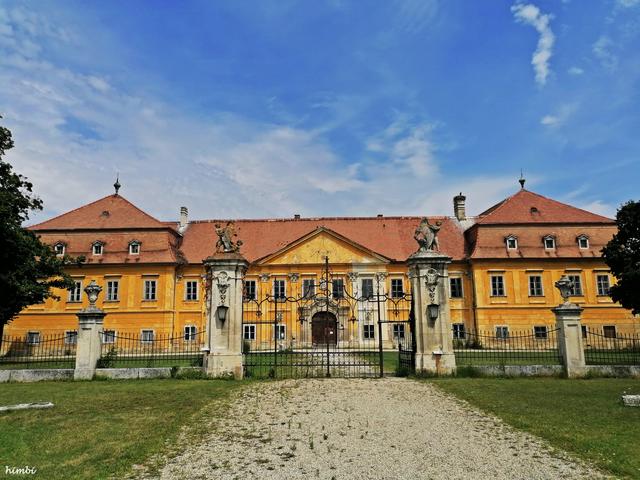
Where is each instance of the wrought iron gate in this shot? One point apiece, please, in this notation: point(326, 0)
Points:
point(325, 330)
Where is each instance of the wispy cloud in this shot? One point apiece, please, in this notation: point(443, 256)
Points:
point(530, 14)
point(560, 117)
point(575, 71)
point(603, 50)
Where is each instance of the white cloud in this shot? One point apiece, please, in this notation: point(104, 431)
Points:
point(627, 3)
point(529, 14)
point(603, 51)
point(599, 208)
point(575, 71)
point(560, 117)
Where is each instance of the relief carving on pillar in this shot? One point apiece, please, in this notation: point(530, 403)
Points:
point(222, 282)
point(432, 277)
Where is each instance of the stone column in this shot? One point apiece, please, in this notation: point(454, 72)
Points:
point(428, 272)
point(226, 272)
point(88, 348)
point(569, 332)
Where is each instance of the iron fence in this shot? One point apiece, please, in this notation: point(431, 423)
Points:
point(503, 347)
point(131, 350)
point(610, 347)
point(38, 351)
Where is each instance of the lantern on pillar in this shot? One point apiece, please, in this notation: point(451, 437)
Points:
point(433, 310)
point(221, 313)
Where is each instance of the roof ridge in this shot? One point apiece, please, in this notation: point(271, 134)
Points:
point(302, 219)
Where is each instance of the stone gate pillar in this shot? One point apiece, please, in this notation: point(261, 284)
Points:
point(569, 331)
point(428, 272)
point(225, 271)
point(88, 348)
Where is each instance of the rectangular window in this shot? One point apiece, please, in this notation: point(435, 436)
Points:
point(190, 332)
point(150, 289)
point(512, 243)
point(535, 286)
point(576, 290)
point(97, 249)
point(308, 287)
point(280, 332)
point(279, 290)
point(112, 290)
point(583, 242)
point(134, 248)
point(109, 336)
point(147, 336)
point(75, 294)
point(249, 290)
point(398, 331)
point(549, 243)
point(33, 338)
point(502, 332)
point(367, 288)
point(337, 288)
point(249, 332)
point(369, 332)
point(459, 331)
point(397, 288)
point(71, 337)
point(584, 331)
point(540, 331)
point(455, 287)
point(191, 290)
point(609, 331)
point(497, 286)
point(602, 282)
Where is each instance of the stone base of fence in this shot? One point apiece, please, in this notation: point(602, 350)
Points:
point(621, 371)
point(138, 373)
point(36, 375)
point(515, 370)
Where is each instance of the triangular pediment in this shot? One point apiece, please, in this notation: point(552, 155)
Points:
point(313, 247)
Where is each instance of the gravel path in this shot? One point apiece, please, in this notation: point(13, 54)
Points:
point(364, 429)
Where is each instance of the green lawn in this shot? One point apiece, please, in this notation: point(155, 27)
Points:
point(585, 417)
point(99, 429)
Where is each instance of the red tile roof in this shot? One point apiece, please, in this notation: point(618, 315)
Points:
point(391, 237)
point(109, 212)
point(529, 207)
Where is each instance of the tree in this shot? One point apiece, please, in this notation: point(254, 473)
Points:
point(29, 269)
point(622, 254)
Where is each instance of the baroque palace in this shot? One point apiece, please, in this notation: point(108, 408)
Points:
point(504, 263)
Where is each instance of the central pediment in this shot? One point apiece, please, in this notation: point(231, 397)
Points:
point(316, 245)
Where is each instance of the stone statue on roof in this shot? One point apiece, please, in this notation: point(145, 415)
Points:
point(427, 236)
point(226, 242)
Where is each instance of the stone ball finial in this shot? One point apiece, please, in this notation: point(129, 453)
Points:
point(93, 290)
point(565, 286)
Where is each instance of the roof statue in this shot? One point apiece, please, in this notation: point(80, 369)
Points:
point(427, 236)
point(225, 243)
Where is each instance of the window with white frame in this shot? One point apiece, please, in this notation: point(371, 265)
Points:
point(113, 290)
point(497, 286)
point(583, 242)
point(71, 337)
point(398, 331)
point(549, 242)
point(150, 288)
point(33, 338)
point(540, 332)
point(279, 290)
point(308, 287)
point(280, 332)
point(397, 288)
point(512, 243)
point(97, 248)
point(603, 284)
point(249, 291)
point(190, 332)
point(535, 286)
point(576, 289)
point(249, 332)
point(459, 331)
point(368, 332)
point(455, 287)
point(337, 288)
point(75, 293)
point(109, 336)
point(609, 331)
point(502, 332)
point(367, 288)
point(147, 336)
point(191, 290)
point(134, 248)
point(59, 248)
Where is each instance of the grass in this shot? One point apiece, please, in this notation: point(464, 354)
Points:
point(99, 429)
point(585, 417)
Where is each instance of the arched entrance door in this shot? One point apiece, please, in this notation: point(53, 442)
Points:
point(324, 328)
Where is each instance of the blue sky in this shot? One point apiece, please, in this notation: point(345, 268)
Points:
point(268, 109)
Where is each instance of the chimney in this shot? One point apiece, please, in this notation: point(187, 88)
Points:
point(296, 216)
point(458, 207)
point(184, 218)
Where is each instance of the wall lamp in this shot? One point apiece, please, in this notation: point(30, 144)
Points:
point(221, 313)
point(433, 310)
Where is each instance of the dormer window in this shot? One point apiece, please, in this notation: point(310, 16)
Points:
point(134, 248)
point(97, 248)
point(59, 248)
point(583, 242)
point(512, 242)
point(549, 242)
